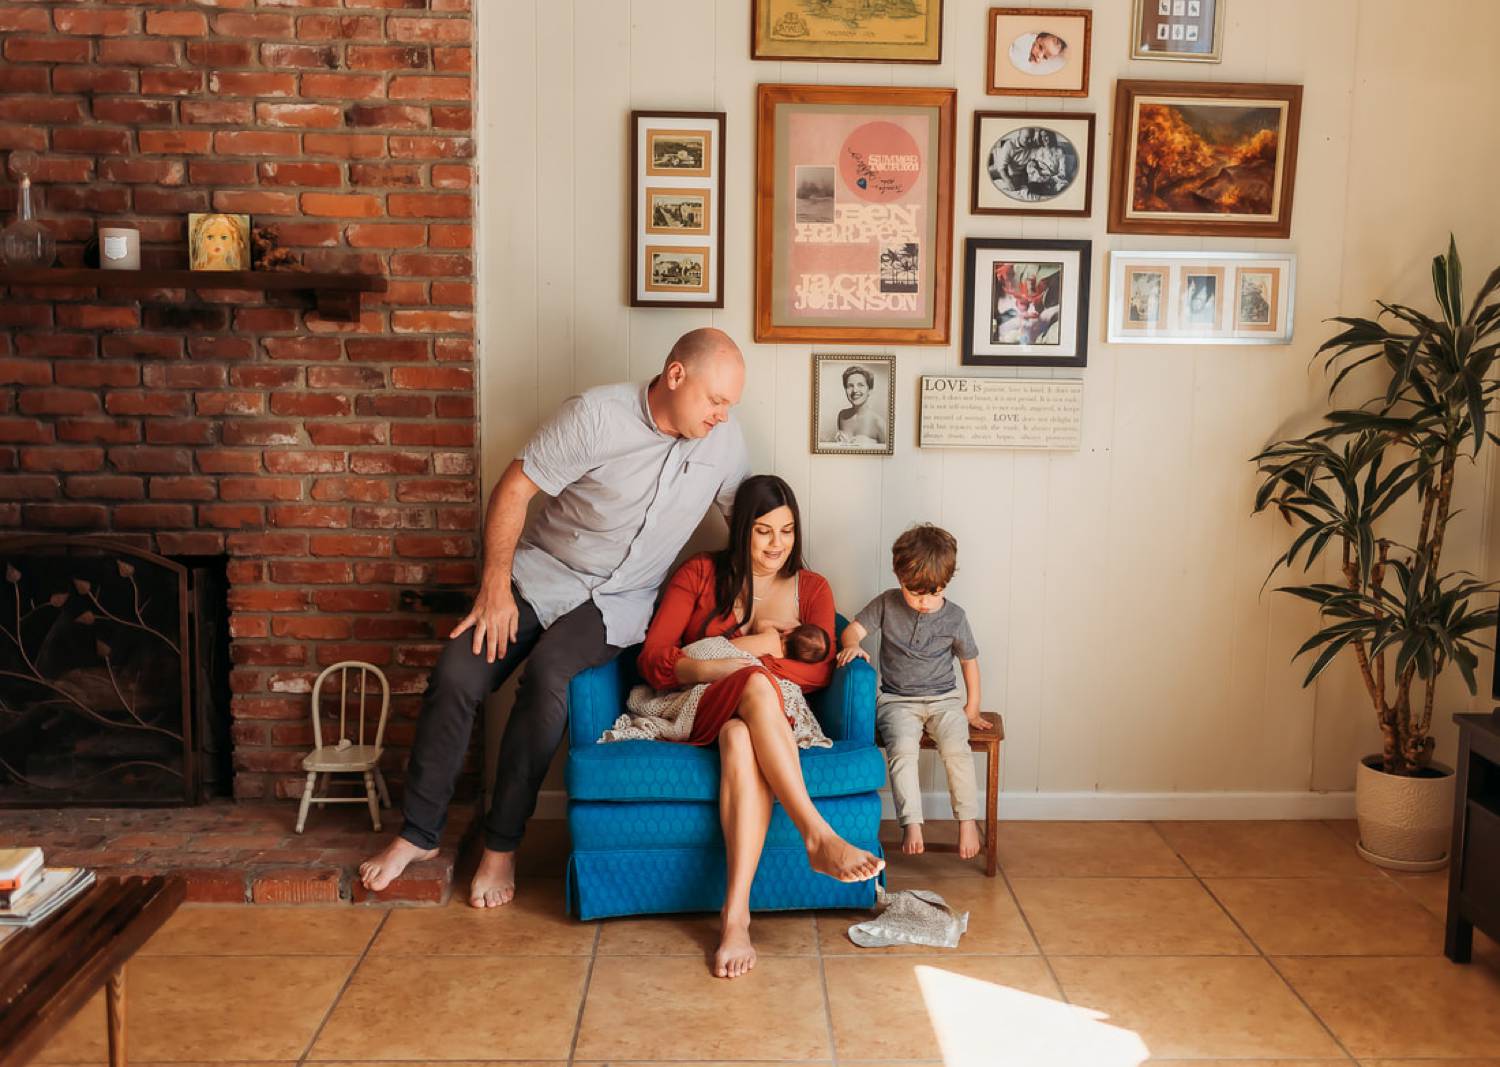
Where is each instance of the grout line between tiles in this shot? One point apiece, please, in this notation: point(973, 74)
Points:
point(1031, 933)
point(833, 1047)
point(374, 936)
point(588, 976)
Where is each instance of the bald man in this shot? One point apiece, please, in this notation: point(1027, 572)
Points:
point(630, 471)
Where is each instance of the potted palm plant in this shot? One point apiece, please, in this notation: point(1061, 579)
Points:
point(1391, 606)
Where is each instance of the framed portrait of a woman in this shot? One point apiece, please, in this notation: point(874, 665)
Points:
point(854, 405)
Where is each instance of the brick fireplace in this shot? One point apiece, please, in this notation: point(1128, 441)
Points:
point(332, 463)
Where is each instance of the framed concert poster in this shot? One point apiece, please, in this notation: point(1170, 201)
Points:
point(1204, 159)
point(1026, 302)
point(889, 31)
point(1213, 298)
point(1038, 51)
point(677, 198)
point(1032, 163)
point(1191, 30)
point(854, 214)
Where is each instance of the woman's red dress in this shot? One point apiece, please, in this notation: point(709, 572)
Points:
point(686, 615)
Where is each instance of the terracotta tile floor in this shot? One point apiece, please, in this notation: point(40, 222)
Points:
point(1103, 944)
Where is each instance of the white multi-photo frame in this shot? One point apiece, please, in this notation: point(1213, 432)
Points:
point(677, 198)
point(1222, 298)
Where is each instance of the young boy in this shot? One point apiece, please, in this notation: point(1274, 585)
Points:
point(920, 633)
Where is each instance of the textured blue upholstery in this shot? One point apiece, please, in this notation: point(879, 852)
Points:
point(644, 815)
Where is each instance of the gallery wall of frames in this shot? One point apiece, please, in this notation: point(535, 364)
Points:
point(1051, 303)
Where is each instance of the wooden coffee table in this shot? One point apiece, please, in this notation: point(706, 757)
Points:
point(49, 972)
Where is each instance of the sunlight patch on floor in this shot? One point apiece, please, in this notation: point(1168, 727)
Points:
point(984, 1024)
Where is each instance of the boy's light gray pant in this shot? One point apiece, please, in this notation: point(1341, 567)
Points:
point(901, 722)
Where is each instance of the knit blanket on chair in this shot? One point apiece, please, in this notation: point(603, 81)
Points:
point(668, 716)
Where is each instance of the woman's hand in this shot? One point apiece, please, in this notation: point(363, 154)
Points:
point(848, 654)
point(765, 641)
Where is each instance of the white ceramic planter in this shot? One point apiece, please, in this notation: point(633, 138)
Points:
point(1404, 823)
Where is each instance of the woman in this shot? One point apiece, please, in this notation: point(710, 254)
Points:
point(758, 578)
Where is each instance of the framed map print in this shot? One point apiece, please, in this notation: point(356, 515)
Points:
point(885, 31)
point(1217, 298)
point(854, 214)
point(677, 202)
point(1204, 159)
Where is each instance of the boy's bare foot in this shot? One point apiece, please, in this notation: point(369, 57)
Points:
point(837, 858)
point(736, 955)
point(381, 869)
point(495, 880)
point(911, 839)
point(968, 839)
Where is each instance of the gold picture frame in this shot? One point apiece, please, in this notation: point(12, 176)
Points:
point(846, 31)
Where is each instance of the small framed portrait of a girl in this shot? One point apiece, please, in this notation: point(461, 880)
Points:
point(218, 242)
point(854, 405)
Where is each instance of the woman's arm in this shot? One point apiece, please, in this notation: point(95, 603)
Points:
point(817, 608)
point(661, 662)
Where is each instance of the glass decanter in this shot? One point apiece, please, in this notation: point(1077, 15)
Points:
point(26, 242)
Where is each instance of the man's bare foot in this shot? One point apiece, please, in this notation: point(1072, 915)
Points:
point(911, 839)
point(495, 881)
point(386, 866)
point(968, 839)
point(736, 955)
point(837, 858)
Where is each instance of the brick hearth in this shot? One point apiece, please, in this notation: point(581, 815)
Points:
point(334, 463)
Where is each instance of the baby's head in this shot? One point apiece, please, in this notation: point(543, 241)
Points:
point(807, 644)
point(924, 559)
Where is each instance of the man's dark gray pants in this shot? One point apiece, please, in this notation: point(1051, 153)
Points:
point(456, 691)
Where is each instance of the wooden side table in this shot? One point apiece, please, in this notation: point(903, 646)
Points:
point(49, 972)
point(988, 742)
point(1474, 859)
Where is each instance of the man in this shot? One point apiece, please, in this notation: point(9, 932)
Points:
point(630, 471)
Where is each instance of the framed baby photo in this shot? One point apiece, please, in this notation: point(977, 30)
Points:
point(1026, 302)
point(677, 204)
point(854, 214)
point(218, 242)
point(1038, 51)
point(854, 405)
point(1220, 298)
point(1032, 163)
point(1204, 159)
point(887, 31)
point(1191, 30)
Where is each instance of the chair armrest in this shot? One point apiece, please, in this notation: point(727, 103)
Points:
point(846, 709)
point(596, 698)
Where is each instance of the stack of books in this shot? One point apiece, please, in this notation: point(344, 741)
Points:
point(30, 891)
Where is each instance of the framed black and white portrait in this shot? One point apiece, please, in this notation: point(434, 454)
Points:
point(854, 405)
point(1032, 163)
point(677, 198)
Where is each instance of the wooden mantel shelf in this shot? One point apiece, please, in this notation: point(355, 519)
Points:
point(337, 295)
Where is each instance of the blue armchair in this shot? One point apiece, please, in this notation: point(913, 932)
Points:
point(644, 815)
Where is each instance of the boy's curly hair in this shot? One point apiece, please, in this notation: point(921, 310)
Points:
point(924, 558)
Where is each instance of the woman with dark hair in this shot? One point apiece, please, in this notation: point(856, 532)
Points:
point(758, 578)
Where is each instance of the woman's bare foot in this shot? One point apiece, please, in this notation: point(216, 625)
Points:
point(495, 880)
point(381, 869)
point(837, 858)
point(911, 839)
point(968, 839)
point(736, 955)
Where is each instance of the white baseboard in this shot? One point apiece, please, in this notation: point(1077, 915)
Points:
point(1088, 807)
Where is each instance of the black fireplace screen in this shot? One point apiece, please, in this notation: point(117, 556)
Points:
point(95, 674)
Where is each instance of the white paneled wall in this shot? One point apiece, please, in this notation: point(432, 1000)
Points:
point(1115, 591)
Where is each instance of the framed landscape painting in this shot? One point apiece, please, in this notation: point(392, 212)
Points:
point(677, 202)
point(1032, 163)
point(1191, 30)
point(1204, 159)
point(1221, 298)
point(1038, 51)
point(886, 31)
point(854, 214)
point(1026, 302)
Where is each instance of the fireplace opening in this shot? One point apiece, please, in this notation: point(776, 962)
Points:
point(114, 675)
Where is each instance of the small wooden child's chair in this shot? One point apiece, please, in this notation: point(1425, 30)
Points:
point(350, 755)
